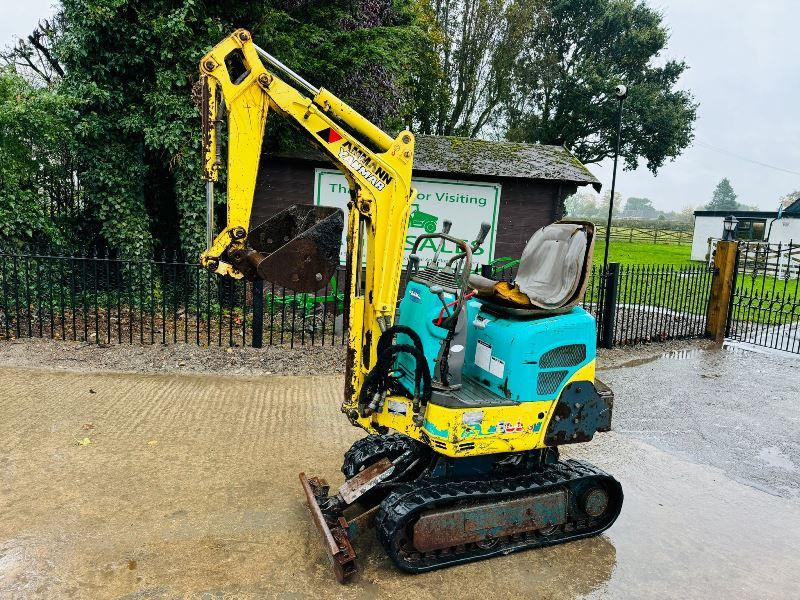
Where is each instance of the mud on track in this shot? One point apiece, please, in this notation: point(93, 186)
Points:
point(189, 487)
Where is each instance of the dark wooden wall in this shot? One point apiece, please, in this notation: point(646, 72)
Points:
point(525, 204)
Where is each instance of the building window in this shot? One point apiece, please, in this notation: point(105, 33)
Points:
point(750, 229)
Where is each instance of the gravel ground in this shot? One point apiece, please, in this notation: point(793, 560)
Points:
point(175, 358)
point(637, 323)
point(272, 360)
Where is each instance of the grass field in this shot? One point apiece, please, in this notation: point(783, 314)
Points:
point(770, 300)
point(644, 253)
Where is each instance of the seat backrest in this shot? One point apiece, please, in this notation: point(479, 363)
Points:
point(553, 268)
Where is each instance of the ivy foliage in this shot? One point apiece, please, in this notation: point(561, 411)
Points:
point(133, 64)
point(34, 170)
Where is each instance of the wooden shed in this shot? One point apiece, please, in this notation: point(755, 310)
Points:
point(517, 187)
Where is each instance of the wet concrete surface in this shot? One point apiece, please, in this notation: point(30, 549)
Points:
point(188, 488)
point(732, 408)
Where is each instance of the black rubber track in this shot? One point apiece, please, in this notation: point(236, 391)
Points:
point(400, 509)
point(371, 449)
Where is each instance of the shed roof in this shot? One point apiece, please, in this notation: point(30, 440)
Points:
point(468, 156)
point(750, 214)
point(500, 159)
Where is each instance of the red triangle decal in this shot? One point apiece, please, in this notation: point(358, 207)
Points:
point(329, 135)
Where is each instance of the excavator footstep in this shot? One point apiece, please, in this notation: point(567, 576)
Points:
point(298, 248)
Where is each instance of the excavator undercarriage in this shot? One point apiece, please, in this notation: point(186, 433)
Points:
point(428, 514)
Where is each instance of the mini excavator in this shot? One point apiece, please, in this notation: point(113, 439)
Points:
point(467, 387)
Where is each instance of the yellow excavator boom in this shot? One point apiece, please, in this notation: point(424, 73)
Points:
point(242, 82)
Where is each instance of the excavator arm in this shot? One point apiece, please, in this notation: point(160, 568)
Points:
point(296, 247)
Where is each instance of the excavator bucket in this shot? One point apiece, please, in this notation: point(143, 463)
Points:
point(298, 248)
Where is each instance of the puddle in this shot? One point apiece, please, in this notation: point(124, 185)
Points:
point(686, 354)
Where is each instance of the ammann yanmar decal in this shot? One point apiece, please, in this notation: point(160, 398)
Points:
point(360, 162)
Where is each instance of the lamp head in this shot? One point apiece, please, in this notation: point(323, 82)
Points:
point(729, 228)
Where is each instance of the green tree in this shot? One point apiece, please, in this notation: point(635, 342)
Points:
point(640, 208)
point(723, 198)
point(605, 202)
point(576, 51)
point(477, 44)
point(638, 204)
point(581, 204)
point(133, 65)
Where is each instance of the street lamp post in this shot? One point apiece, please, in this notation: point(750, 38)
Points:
point(621, 92)
point(608, 288)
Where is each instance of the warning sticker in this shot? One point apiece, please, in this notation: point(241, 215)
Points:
point(483, 355)
point(497, 367)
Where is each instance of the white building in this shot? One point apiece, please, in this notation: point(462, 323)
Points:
point(753, 226)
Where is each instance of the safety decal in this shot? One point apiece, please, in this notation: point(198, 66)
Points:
point(475, 429)
point(329, 135)
point(483, 355)
point(397, 408)
point(497, 367)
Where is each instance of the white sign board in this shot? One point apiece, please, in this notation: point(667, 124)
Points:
point(466, 204)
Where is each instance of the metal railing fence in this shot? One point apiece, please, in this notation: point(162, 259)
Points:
point(108, 300)
point(765, 302)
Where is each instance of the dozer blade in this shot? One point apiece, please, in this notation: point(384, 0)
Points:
point(298, 248)
point(335, 539)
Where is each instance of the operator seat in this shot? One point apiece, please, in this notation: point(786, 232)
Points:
point(552, 273)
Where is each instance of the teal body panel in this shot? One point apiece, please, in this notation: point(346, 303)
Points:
point(513, 358)
point(419, 308)
point(504, 353)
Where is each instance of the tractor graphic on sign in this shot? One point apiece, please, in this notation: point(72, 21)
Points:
point(421, 220)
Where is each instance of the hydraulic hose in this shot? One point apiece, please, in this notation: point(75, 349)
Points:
point(376, 380)
point(386, 341)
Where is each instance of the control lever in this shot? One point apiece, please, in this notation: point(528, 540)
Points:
point(446, 225)
point(484, 231)
point(439, 291)
point(412, 268)
point(485, 227)
point(413, 263)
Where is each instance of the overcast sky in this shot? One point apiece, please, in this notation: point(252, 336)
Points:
point(744, 71)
